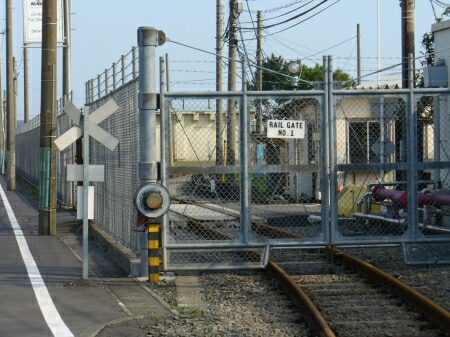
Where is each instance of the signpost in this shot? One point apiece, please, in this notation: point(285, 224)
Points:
point(294, 129)
point(86, 125)
point(32, 22)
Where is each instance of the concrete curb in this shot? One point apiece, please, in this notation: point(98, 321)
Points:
point(117, 252)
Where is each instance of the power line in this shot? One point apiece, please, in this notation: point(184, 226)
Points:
point(290, 12)
point(289, 4)
point(291, 18)
point(304, 20)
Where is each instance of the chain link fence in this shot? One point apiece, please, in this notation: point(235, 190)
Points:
point(28, 157)
point(114, 198)
point(248, 170)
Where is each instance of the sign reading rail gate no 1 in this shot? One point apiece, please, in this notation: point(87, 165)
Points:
point(285, 129)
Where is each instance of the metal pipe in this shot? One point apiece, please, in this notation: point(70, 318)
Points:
point(379, 218)
point(106, 82)
point(99, 88)
point(147, 42)
point(332, 153)
point(358, 53)
point(412, 173)
point(133, 62)
point(114, 76)
point(165, 150)
point(122, 70)
point(219, 79)
point(437, 137)
point(244, 161)
point(324, 171)
point(86, 195)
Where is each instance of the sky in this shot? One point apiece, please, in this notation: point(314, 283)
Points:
point(103, 30)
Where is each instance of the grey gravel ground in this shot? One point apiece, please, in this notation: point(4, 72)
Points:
point(238, 304)
point(251, 304)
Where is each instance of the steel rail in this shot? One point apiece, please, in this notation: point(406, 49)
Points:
point(316, 320)
point(432, 310)
point(297, 295)
point(428, 307)
point(257, 227)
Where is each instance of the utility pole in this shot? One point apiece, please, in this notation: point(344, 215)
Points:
point(219, 105)
point(67, 51)
point(10, 102)
point(259, 72)
point(408, 34)
point(358, 53)
point(231, 111)
point(378, 43)
point(26, 104)
point(47, 188)
point(67, 84)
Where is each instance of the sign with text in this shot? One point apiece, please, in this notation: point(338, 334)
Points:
point(285, 129)
point(32, 21)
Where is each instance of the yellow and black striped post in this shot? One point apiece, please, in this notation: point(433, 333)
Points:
point(153, 252)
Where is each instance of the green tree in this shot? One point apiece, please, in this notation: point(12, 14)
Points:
point(311, 74)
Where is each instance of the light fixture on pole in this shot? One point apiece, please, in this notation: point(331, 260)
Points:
point(294, 69)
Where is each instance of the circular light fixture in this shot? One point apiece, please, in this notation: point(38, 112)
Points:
point(152, 200)
point(294, 67)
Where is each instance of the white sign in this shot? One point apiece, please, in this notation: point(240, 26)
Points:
point(94, 118)
point(80, 203)
point(285, 129)
point(76, 172)
point(32, 21)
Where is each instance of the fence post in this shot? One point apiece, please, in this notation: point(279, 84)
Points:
point(412, 174)
point(106, 82)
point(91, 90)
point(147, 43)
point(86, 94)
point(114, 76)
point(324, 150)
point(99, 87)
point(122, 65)
point(332, 153)
point(245, 185)
point(164, 143)
point(437, 103)
point(133, 62)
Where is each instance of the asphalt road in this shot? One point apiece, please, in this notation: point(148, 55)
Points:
point(72, 307)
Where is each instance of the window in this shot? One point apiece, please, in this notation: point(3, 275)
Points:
point(361, 136)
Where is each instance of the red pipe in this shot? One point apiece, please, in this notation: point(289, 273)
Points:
point(400, 198)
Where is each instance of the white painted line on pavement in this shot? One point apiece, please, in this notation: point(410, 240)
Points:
point(48, 309)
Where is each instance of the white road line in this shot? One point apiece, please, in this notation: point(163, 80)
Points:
point(48, 309)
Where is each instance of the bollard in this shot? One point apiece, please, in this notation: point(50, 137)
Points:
point(153, 252)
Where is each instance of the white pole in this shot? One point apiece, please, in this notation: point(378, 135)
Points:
point(378, 43)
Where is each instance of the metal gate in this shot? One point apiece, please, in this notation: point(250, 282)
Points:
point(371, 169)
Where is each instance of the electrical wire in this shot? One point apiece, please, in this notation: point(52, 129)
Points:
point(284, 14)
point(304, 20)
point(292, 17)
point(289, 4)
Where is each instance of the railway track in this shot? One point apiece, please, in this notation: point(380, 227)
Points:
point(355, 298)
point(351, 297)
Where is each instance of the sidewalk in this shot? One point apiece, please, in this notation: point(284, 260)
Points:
point(84, 306)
